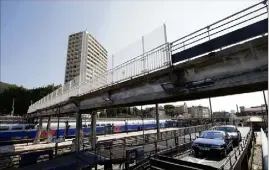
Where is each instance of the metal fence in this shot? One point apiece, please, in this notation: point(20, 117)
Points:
point(231, 23)
point(245, 144)
point(151, 61)
point(115, 149)
point(173, 159)
point(155, 59)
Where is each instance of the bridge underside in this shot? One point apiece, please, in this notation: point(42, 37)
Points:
point(239, 69)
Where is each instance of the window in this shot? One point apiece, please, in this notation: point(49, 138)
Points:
point(29, 127)
point(16, 128)
point(4, 128)
point(226, 129)
point(212, 135)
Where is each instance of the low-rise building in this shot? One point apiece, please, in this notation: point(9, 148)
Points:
point(255, 110)
point(220, 114)
point(199, 112)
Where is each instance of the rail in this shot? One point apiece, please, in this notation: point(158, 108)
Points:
point(151, 61)
point(116, 148)
point(155, 59)
point(239, 19)
point(230, 162)
point(264, 150)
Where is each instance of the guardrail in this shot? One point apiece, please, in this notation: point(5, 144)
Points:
point(151, 61)
point(264, 150)
point(160, 57)
point(238, 20)
point(246, 142)
point(116, 148)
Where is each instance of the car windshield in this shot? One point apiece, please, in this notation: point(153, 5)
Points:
point(212, 135)
point(226, 129)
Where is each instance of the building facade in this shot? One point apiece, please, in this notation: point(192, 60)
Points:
point(181, 109)
point(221, 114)
point(85, 57)
point(255, 110)
point(199, 112)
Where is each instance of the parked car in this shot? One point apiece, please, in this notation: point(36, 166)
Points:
point(233, 132)
point(213, 141)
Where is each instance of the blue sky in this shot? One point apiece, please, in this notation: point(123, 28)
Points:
point(34, 34)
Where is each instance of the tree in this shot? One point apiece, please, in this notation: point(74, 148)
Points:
point(22, 98)
point(169, 110)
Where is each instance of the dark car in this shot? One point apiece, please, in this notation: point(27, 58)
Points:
point(233, 132)
point(218, 142)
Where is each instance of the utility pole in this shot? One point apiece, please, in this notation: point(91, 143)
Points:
point(265, 102)
point(210, 109)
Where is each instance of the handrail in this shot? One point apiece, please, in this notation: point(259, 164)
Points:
point(219, 21)
point(264, 150)
point(160, 54)
point(220, 28)
point(215, 23)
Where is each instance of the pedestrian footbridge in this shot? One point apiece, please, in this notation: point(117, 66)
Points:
point(229, 56)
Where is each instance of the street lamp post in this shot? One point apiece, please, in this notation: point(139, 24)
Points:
point(211, 114)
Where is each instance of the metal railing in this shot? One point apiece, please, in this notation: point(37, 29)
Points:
point(264, 150)
point(156, 59)
point(151, 61)
point(233, 22)
point(230, 163)
point(118, 147)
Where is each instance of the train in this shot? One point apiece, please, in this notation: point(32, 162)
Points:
point(22, 132)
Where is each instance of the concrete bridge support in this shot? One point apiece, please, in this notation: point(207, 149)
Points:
point(48, 130)
point(38, 132)
point(93, 129)
point(78, 130)
point(66, 129)
point(157, 121)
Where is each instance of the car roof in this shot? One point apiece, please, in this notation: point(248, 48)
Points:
point(227, 126)
point(214, 131)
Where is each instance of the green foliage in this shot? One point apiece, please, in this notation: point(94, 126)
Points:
point(23, 98)
point(169, 110)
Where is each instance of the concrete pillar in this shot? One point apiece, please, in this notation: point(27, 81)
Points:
point(78, 130)
point(48, 130)
point(157, 121)
point(66, 129)
point(93, 129)
point(38, 132)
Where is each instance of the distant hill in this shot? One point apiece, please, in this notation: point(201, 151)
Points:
point(4, 86)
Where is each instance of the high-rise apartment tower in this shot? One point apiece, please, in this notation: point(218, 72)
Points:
point(85, 57)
